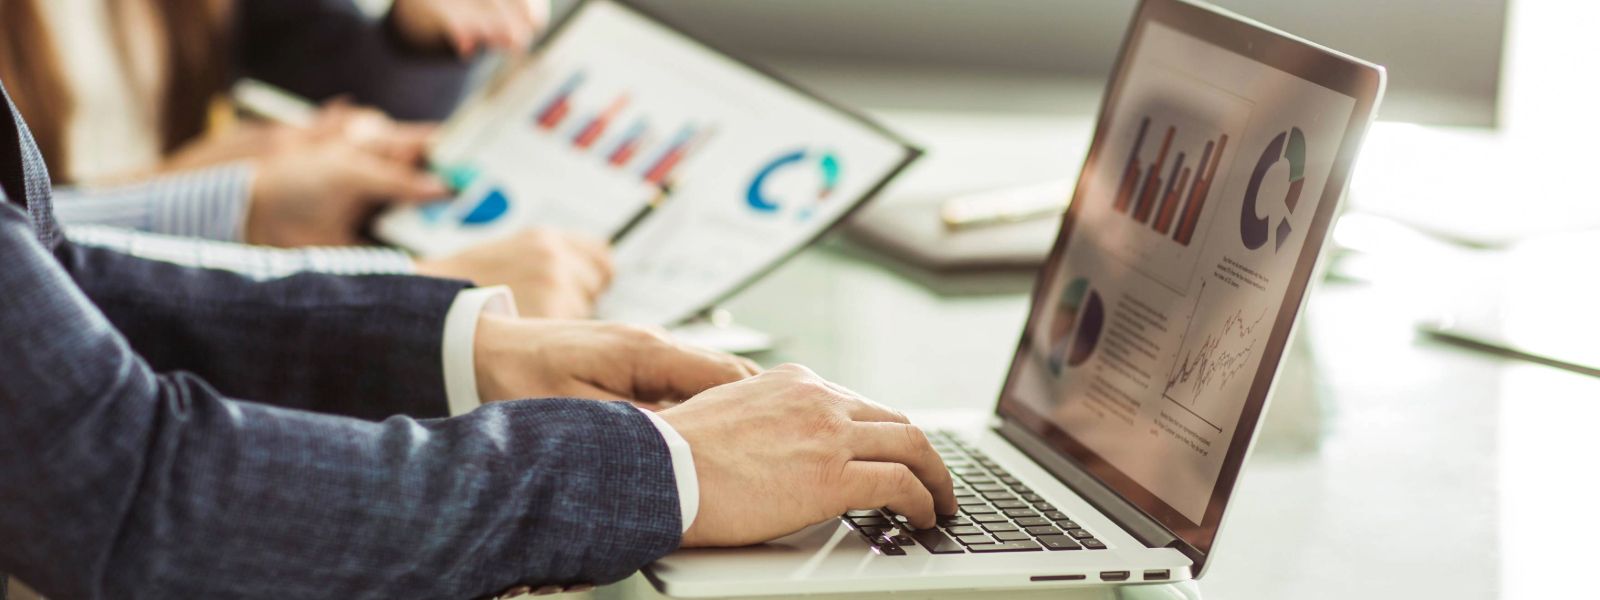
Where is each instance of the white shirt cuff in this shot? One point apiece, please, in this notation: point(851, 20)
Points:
point(460, 331)
point(682, 469)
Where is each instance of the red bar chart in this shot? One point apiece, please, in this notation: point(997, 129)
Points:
point(587, 113)
point(1174, 194)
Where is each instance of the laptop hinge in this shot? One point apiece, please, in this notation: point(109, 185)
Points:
point(1125, 514)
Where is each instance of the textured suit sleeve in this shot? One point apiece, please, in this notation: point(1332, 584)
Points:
point(132, 483)
point(324, 48)
point(361, 346)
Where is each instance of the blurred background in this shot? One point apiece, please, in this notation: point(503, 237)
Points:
point(1443, 57)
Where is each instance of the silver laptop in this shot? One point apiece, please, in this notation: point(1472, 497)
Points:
point(1157, 326)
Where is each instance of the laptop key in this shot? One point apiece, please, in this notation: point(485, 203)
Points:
point(1002, 495)
point(1008, 547)
point(1032, 497)
point(1032, 521)
point(979, 509)
point(974, 540)
point(972, 502)
point(1092, 544)
point(1056, 515)
point(991, 518)
point(1004, 504)
point(963, 530)
point(864, 513)
point(1043, 530)
point(1080, 534)
point(936, 542)
point(1010, 536)
point(1059, 542)
point(989, 487)
point(954, 521)
point(1002, 526)
point(1020, 513)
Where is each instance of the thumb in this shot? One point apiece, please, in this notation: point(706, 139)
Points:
point(672, 371)
point(372, 178)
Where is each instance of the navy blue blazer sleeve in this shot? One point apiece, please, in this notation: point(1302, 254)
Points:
point(129, 482)
point(325, 48)
point(363, 346)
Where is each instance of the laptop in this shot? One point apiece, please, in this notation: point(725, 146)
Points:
point(1157, 325)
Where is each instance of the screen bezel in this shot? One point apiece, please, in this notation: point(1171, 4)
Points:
point(1345, 75)
point(910, 151)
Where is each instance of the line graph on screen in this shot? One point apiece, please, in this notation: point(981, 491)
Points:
point(1216, 358)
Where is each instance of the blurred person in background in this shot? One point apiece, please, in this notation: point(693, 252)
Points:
point(122, 96)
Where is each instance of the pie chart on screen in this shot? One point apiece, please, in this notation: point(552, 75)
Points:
point(1075, 324)
point(1089, 326)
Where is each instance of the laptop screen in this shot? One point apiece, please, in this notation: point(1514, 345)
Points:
point(1160, 317)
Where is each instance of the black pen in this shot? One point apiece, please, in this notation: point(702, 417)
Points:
point(644, 211)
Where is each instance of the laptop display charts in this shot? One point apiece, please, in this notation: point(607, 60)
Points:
point(1157, 326)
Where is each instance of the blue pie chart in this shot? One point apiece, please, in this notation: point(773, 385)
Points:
point(489, 209)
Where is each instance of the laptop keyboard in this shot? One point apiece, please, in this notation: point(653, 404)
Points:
point(998, 514)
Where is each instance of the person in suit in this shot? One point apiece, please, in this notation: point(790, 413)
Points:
point(170, 432)
point(118, 92)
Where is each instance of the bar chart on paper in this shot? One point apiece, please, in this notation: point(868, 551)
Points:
point(618, 128)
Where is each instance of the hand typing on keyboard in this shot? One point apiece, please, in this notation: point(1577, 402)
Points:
point(787, 449)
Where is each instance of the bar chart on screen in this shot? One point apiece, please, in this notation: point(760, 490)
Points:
point(1143, 191)
point(1166, 166)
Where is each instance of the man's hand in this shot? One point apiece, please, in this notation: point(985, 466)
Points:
point(553, 275)
point(787, 449)
point(468, 26)
point(538, 358)
point(321, 192)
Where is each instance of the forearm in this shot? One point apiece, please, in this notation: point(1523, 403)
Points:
point(367, 347)
point(256, 262)
point(121, 479)
point(210, 203)
point(326, 48)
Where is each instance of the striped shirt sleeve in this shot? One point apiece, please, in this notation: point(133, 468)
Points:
point(208, 203)
point(257, 262)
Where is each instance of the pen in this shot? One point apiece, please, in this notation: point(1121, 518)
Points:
point(644, 211)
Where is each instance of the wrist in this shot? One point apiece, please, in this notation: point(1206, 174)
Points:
point(490, 348)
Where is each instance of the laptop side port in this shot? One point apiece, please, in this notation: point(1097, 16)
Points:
point(1113, 576)
point(1158, 575)
point(1058, 578)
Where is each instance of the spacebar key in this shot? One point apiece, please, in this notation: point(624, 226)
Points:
point(936, 541)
